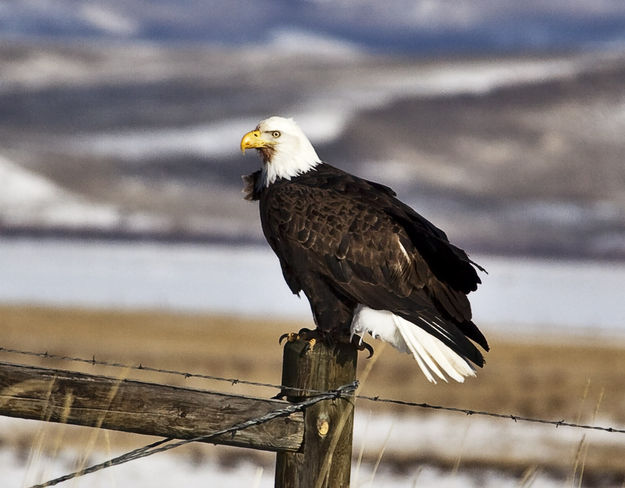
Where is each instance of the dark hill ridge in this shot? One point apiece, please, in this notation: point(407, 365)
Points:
point(415, 27)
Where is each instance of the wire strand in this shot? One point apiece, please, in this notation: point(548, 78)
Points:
point(140, 367)
point(516, 418)
point(282, 388)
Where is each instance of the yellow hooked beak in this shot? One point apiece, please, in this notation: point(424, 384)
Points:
point(253, 140)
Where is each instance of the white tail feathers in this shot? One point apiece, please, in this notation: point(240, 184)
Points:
point(432, 355)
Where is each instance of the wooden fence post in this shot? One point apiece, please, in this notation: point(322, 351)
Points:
point(324, 461)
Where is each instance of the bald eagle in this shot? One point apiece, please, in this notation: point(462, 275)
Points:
point(367, 262)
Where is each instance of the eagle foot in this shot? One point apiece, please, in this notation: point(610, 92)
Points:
point(310, 336)
point(304, 334)
point(289, 336)
point(313, 336)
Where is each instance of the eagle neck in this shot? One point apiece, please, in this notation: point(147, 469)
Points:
point(288, 164)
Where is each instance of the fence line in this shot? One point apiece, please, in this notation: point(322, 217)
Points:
point(161, 445)
point(516, 418)
point(281, 388)
point(95, 362)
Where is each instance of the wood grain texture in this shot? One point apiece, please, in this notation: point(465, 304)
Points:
point(143, 408)
point(324, 460)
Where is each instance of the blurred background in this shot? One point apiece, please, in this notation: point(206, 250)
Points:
point(501, 122)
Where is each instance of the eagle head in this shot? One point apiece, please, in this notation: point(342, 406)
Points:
point(284, 148)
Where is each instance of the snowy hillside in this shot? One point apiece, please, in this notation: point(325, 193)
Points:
point(517, 155)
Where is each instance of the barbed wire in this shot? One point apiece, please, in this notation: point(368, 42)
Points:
point(283, 388)
point(516, 418)
point(162, 446)
point(140, 367)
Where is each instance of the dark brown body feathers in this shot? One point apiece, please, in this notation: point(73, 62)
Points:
point(345, 241)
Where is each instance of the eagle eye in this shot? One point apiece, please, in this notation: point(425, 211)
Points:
point(275, 134)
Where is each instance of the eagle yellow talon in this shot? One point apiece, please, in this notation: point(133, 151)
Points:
point(289, 336)
point(304, 335)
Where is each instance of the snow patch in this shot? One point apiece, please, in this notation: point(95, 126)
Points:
point(474, 437)
point(578, 295)
point(109, 21)
point(297, 41)
point(27, 197)
point(209, 140)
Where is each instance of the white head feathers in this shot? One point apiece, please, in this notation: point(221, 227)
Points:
point(285, 149)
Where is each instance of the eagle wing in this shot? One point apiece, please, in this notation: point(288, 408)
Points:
point(360, 240)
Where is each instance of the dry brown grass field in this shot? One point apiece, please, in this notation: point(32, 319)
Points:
point(574, 379)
